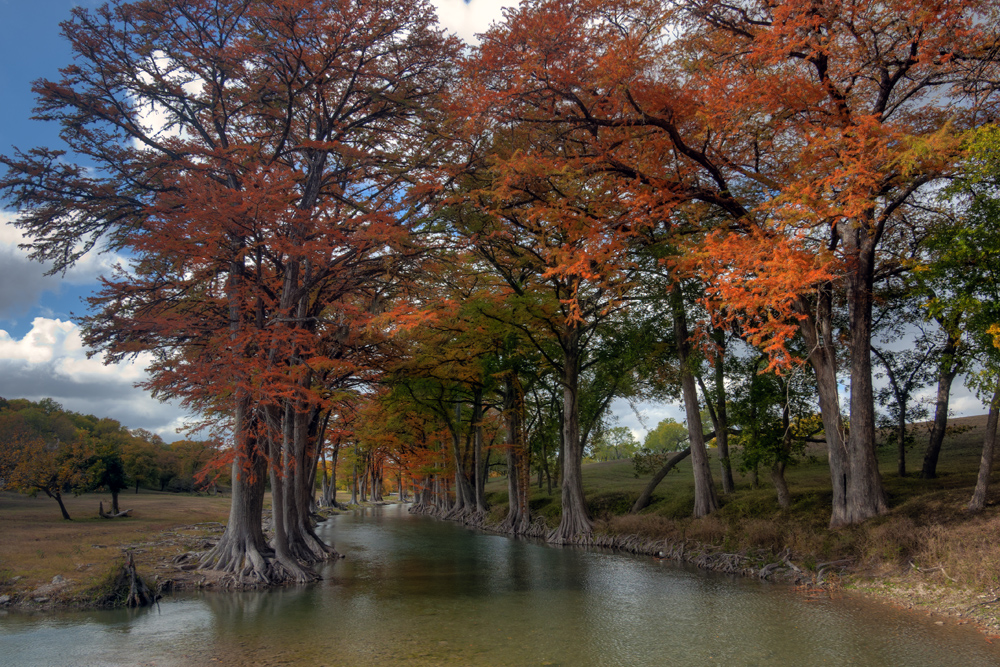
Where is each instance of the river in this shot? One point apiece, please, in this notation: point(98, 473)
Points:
point(419, 591)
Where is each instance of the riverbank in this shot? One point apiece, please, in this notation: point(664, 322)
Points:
point(927, 553)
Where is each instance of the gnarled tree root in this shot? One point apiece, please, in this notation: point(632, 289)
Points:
point(125, 588)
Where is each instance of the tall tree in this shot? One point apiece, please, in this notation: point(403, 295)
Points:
point(255, 157)
point(803, 129)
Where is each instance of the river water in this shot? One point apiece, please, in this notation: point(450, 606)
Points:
point(418, 591)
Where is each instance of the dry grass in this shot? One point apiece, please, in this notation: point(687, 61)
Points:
point(38, 544)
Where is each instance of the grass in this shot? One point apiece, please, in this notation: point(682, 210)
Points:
point(38, 544)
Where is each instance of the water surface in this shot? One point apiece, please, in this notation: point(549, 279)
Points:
point(418, 591)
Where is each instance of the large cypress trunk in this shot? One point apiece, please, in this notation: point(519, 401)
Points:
point(705, 499)
point(243, 552)
point(865, 496)
point(280, 511)
point(575, 522)
point(817, 330)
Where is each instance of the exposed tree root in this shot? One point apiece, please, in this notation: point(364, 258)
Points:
point(245, 564)
point(574, 528)
point(125, 588)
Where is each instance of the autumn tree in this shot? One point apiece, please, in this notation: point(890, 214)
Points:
point(254, 158)
point(800, 132)
point(38, 450)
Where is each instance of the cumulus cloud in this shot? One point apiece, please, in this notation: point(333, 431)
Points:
point(23, 281)
point(467, 19)
point(50, 361)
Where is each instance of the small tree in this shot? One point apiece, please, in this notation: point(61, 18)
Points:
point(613, 444)
point(34, 465)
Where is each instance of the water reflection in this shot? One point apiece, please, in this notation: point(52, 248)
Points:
point(416, 591)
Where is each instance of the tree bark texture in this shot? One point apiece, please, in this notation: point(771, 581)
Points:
point(978, 501)
point(817, 330)
point(865, 495)
point(705, 500)
point(948, 368)
point(575, 522)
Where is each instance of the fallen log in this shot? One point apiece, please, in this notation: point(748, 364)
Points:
point(105, 515)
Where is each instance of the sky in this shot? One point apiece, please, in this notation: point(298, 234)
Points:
point(41, 354)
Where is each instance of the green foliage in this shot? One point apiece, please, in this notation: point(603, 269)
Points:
point(613, 444)
point(668, 436)
point(771, 412)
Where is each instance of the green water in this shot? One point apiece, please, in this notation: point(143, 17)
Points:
point(417, 591)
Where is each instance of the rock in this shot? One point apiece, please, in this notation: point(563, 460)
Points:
point(58, 579)
point(41, 600)
point(4, 599)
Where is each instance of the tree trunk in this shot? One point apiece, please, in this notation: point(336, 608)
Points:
point(978, 501)
point(114, 501)
point(279, 473)
point(778, 468)
point(332, 492)
point(948, 369)
point(643, 500)
point(518, 516)
point(477, 461)
point(705, 500)
point(243, 551)
point(865, 495)
point(574, 523)
point(354, 478)
point(57, 496)
point(721, 415)
point(311, 547)
point(780, 485)
point(817, 330)
point(465, 497)
point(901, 438)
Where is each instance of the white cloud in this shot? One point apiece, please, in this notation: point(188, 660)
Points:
point(23, 281)
point(467, 19)
point(50, 361)
point(650, 415)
